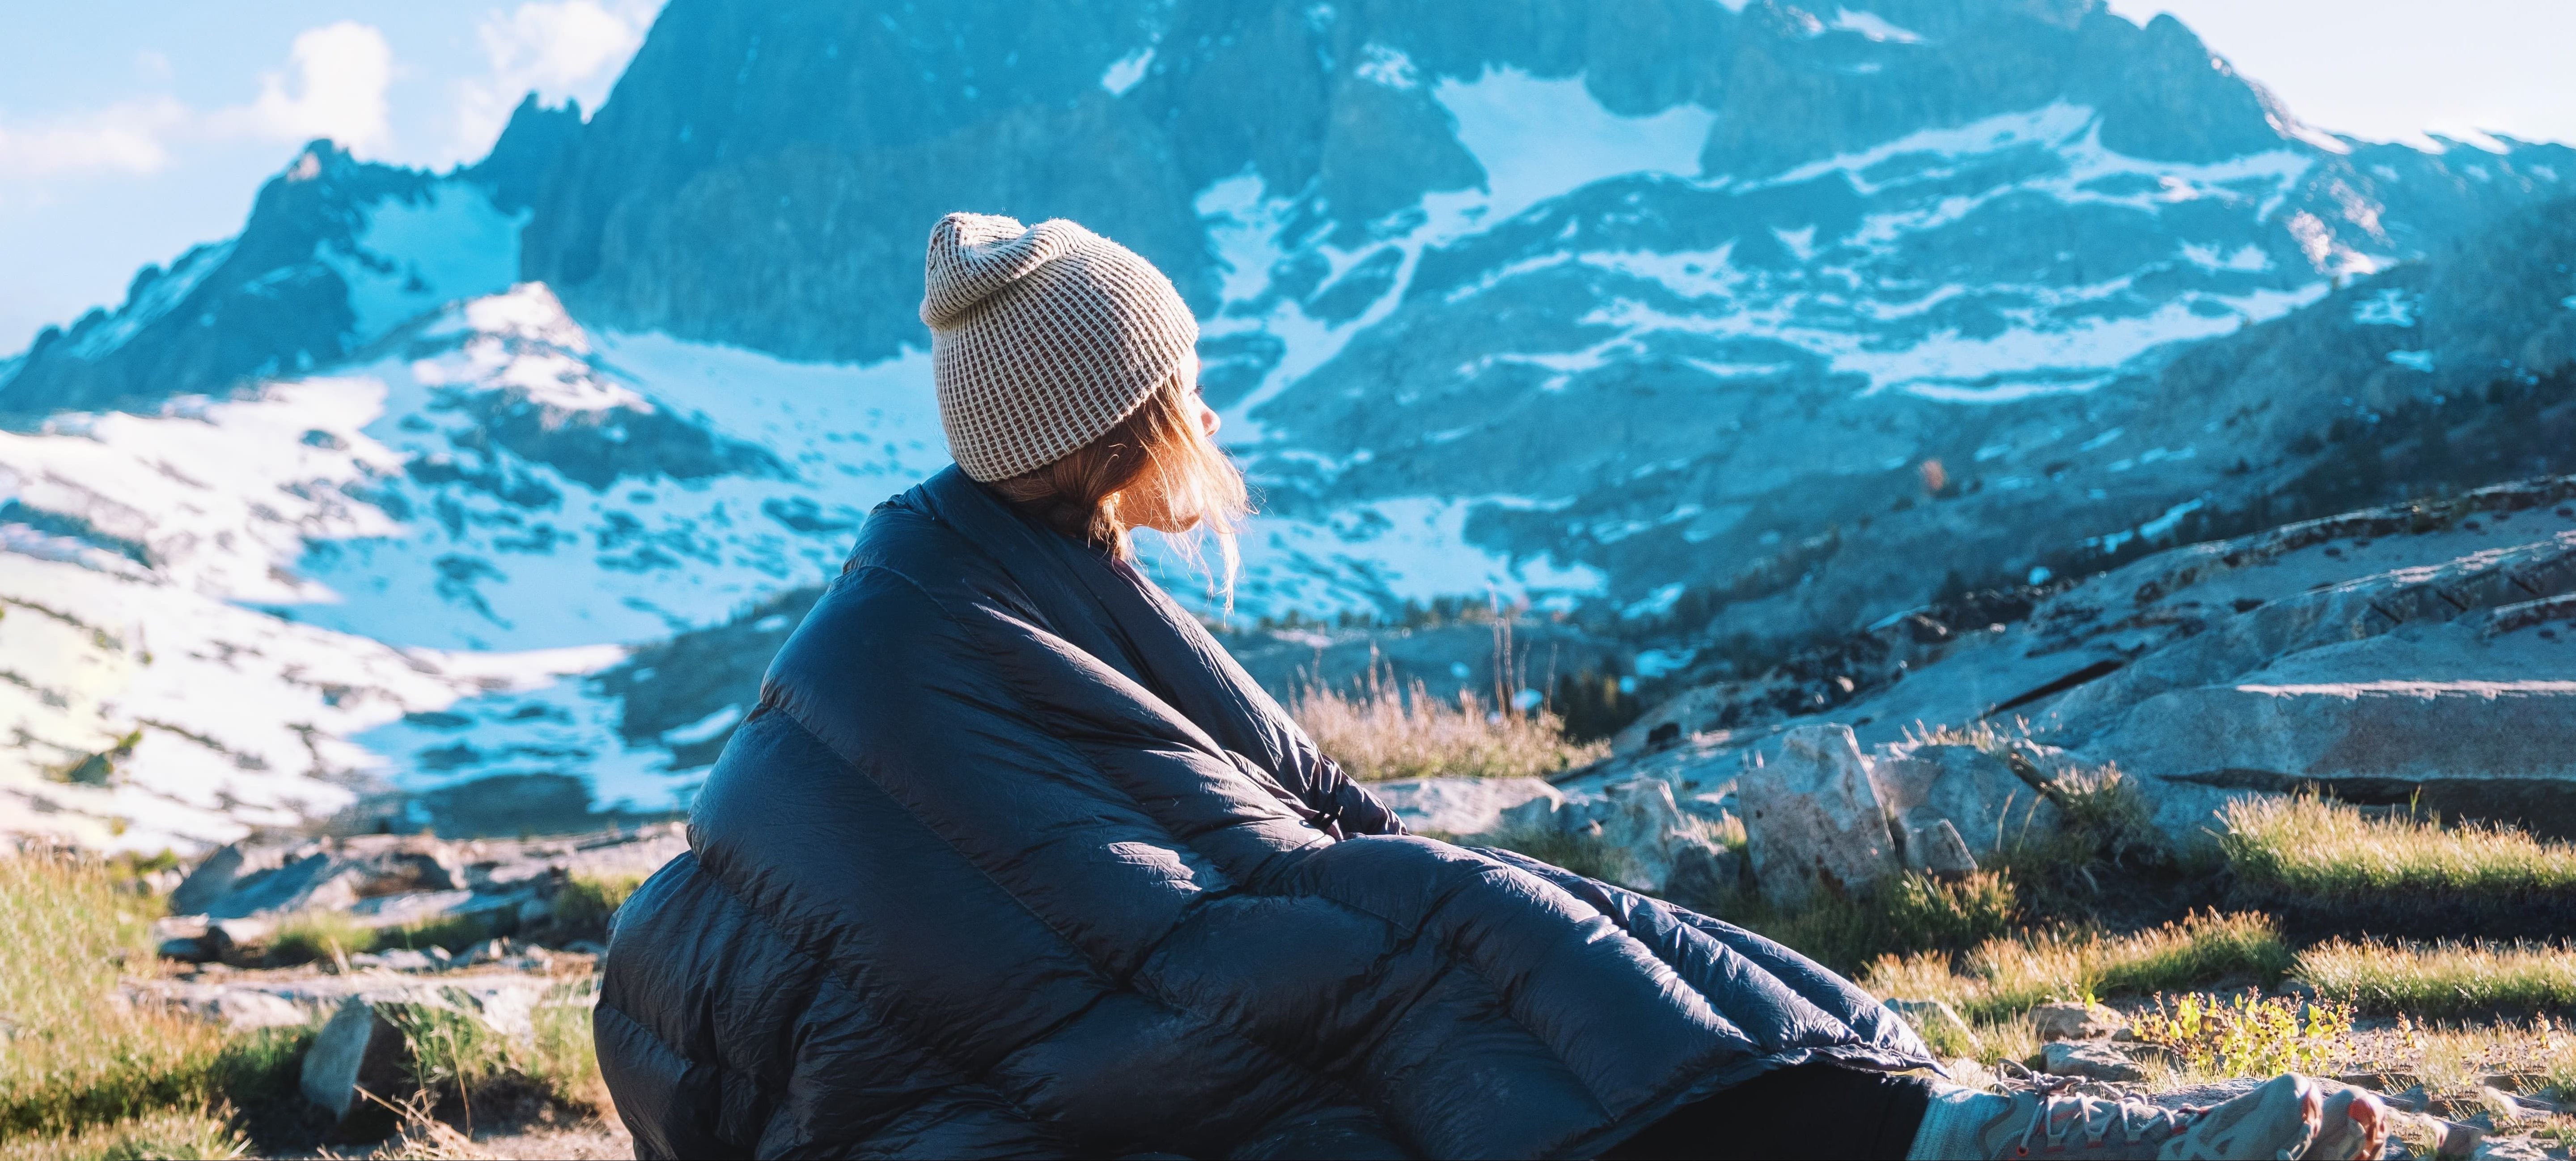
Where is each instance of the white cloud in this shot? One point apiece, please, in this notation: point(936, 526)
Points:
point(555, 48)
point(341, 73)
point(336, 89)
point(128, 137)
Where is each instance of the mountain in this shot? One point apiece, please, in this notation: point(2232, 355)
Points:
point(336, 251)
point(1712, 328)
point(1631, 297)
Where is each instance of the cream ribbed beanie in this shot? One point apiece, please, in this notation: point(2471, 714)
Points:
point(1042, 338)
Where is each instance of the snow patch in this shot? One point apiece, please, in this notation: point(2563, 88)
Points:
point(2388, 308)
point(1538, 139)
point(1125, 72)
point(1873, 26)
point(1386, 66)
point(416, 257)
point(156, 300)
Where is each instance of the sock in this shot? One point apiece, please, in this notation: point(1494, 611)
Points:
point(1950, 1124)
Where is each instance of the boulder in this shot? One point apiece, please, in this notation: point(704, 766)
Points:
point(1703, 873)
point(1717, 808)
point(243, 1009)
point(1462, 806)
point(357, 1049)
point(196, 939)
point(1641, 818)
point(1986, 802)
point(1813, 823)
point(314, 880)
point(208, 881)
point(2089, 1059)
point(2500, 747)
point(184, 938)
point(1933, 846)
point(1660, 848)
point(2075, 1021)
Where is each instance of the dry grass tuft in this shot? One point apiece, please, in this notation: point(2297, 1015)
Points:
point(83, 1074)
point(2004, 977)
point(2443, 980)
point(75, 1056)
point(1383, 731)
point(2306, 848)
point(206, 1133)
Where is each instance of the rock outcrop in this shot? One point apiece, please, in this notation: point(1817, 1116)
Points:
point(2422, 653)
point(1463, 806)
point(1813, 823)
point(236, 898)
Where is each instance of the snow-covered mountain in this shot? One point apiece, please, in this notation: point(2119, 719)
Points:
point(1715, 324)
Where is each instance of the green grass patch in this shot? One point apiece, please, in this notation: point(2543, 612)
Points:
point(563, 1057)
point(309, 936)
point(2306, 849)
point(206, 1133)
point(586, 903)
point(2004, 977)
point(318, 935)
point(456, 1056)
point(1585, 855)
point(452, 1049)
point(1912, 914)
point(2443, 980)
point(76, 1059)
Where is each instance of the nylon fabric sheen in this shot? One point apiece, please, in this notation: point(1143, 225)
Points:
point(1013, 860)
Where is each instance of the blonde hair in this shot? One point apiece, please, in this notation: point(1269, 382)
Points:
point(1158, 452)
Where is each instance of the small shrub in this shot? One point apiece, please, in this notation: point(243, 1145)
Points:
point(2443, 980)
point(2247, 1036)
point(2106, 829)
point(1385, 731)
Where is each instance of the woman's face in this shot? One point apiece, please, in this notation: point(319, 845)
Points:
point(1148, 508)
point(1208, 420)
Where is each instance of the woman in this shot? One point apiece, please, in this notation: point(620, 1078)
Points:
point(1014, 860)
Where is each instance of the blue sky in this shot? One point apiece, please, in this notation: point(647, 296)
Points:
point(131, 129)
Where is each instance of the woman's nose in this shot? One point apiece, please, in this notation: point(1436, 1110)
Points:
point(1209, 420)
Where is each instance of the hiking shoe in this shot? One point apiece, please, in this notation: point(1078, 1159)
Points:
point(2279, 1121)
point(2353, 1124)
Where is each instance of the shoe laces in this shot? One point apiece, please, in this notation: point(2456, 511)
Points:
point(2134, 1119)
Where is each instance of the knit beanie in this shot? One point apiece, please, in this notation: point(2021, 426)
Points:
point(1042, 338)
